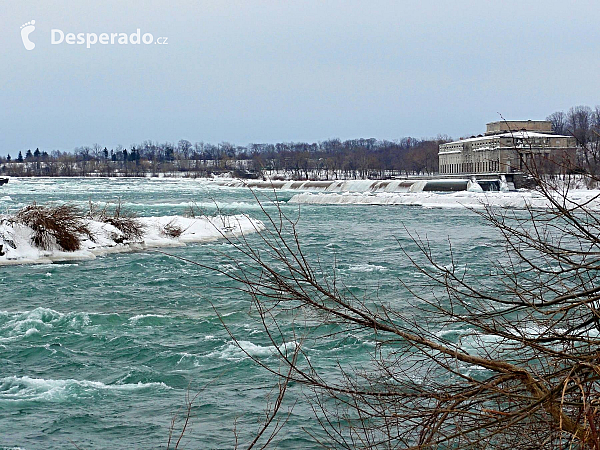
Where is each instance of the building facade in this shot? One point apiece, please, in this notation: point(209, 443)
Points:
point(508, 147)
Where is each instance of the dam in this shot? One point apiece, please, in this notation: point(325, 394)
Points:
point(488, 184)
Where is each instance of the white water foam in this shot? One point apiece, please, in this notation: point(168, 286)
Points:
point(326, 186)
point(26, 388)
point(517, 200)
point(136, 319)
point(367, 268)
point(24, 324)
point(235, 351)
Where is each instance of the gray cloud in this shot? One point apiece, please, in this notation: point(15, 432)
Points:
point(263, 71)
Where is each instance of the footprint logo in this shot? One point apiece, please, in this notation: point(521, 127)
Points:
point(26, 30)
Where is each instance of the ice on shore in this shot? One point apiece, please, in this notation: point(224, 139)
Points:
point(515, 199)
point(17, 247)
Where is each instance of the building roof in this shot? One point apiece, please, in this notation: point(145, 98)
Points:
point(501, 126)
point(514, 134)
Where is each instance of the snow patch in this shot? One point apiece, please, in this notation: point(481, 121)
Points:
point(517, 200)
point(17, 247)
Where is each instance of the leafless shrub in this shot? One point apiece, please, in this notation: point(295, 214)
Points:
point(63, 225)
point(193, 211)
point(126, 222)
point(531, 378)
point(176, 437)
point(172, 230)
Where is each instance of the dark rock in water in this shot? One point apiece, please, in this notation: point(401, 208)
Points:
point(3, 181)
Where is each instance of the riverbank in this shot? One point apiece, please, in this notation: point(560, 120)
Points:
point(17, 247)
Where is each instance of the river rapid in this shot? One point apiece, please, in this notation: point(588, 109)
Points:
point(101, 353)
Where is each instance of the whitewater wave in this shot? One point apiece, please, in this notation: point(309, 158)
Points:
point(326, 186)
point(26, 388)
point(59, 266)
point(367, 268)
point(146, 319)
point(243, 349)
point(208, 206)
point(197, 206)
point(15, 326)
point(516, 200)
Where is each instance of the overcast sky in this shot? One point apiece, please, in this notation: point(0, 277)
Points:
point(267, 71)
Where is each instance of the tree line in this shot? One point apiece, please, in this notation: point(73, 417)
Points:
point(583, 123)
point(330, 159)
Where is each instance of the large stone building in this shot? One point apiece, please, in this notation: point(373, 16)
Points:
point(508, 147)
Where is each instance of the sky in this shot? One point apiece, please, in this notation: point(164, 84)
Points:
point(250, 71)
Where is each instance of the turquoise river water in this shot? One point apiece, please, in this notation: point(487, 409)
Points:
point(101, 353)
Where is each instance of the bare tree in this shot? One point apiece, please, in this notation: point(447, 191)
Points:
point(530, 377)
point(559, 122)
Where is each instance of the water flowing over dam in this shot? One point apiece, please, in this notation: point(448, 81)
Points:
point(376, 186)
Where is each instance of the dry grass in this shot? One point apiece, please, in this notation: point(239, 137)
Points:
point(126, 222)
point(172, 230)
point(193, 211)
point(62, 225)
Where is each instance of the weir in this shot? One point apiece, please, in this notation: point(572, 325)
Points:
point(406, 185)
